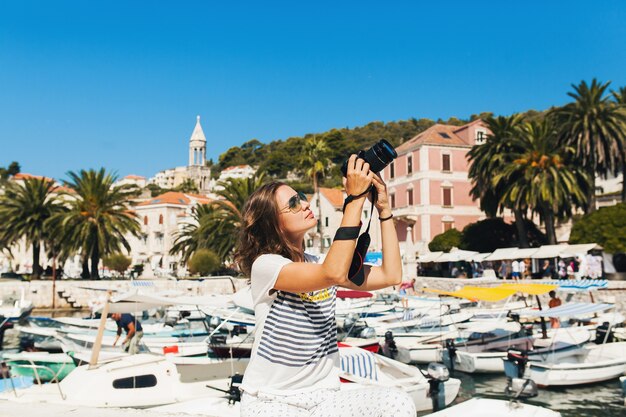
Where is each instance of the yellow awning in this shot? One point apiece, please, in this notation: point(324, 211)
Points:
point(478, 293)
point(533, 289)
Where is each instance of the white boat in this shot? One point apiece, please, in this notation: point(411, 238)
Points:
point(622, 382)
point(483, 407)
point(365, 368)
point(560, 344)
point(160, 379)
point(593, 363)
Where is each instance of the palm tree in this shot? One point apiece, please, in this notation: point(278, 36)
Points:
point(620, 98)
point(594, 126)
point(313, 162)
point(98, 216)
point(24, 211)
point(215, 225)
point(543, 176)
point(490, 158)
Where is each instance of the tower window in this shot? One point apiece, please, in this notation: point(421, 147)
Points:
point(409, 164)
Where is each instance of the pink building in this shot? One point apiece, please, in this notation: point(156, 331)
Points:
point(428, 182)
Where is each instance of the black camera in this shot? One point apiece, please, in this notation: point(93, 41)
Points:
point(378, 156)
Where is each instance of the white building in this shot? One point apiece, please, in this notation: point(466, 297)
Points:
point(237, 172)
point(160, 218)
point(196, 170)
point(136, 180)
point(331, 203)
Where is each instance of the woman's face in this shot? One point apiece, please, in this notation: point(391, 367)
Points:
point(293, 220)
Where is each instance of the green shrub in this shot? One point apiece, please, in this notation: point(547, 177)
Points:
point(203, 262)
point(445, 241)
point(117, 262)
point(606, 227)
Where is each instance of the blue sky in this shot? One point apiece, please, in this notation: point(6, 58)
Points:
point(119, 84)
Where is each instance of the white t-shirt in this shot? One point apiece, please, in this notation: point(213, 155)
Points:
point(514, 266)
point(295, 345)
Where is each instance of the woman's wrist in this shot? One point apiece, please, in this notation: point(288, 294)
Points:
point(384, 212)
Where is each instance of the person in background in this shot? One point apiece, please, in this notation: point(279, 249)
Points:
point(406, 287)
point(503, 270)
point(515, 270)
point(555, 301)
point(133, 329)
point(562, 269)
point(546, 270)
point(522, 268)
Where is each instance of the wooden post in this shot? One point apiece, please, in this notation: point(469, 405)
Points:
point(544, 331)
point(98, 342)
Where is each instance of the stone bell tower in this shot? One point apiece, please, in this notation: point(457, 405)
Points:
point(197, 146)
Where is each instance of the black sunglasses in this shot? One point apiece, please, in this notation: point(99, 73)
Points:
point(294, 204)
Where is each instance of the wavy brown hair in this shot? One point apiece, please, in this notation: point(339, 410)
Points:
point(260, 231)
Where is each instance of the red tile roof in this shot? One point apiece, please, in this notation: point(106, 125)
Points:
point(333, 195)
point(25, 176)
point(442, 135)
point(134, 177)
point(235, 167)
point(178, 198)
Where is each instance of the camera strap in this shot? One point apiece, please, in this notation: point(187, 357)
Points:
point(356, 274)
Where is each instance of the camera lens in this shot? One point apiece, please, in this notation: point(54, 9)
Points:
point(378, 156)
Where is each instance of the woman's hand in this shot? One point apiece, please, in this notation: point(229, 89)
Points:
point(358, 177)
point(382, 201)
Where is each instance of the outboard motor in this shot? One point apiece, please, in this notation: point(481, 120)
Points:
point(5, 325)
point(27, 344)
point(604, 334)
point(234, 394)
point(390, 349)
point(367, 333)
point(515, 363)
point(438, 374)
point(449, 354)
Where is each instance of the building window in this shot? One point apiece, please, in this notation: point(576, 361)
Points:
point(145, 220)
point(447, 226)
point(392, 170)
point(447, 197)
point(327, 242)
point(445, 163)
point(392, 200)
point(480, 137)
point(409, 197)
point(309, 243)
point(365, 214)
point(409, 164)
point(326, 221)
point(160, 219)
point(158, 237)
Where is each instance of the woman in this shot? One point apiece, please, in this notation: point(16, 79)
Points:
point(293, 369)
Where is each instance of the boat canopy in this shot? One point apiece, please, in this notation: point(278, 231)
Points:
point(496, 293)
point(456, 256)
point(478, 293)
point(532, 289)
point(568, 310)
point(429, 257)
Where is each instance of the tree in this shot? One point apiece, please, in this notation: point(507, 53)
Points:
point(24, 213)
point(542, 176)
point(494, 233)
point(620, 99)
point(594, 126)
point(487, 235)
point(606, 227)
point(117, 262)
point(11, 170)
point(215, 225)
point(313, 162)
point(187, 186)
point(204, 262)
point(99, 216)
point(490, 158)
point(446, 241)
